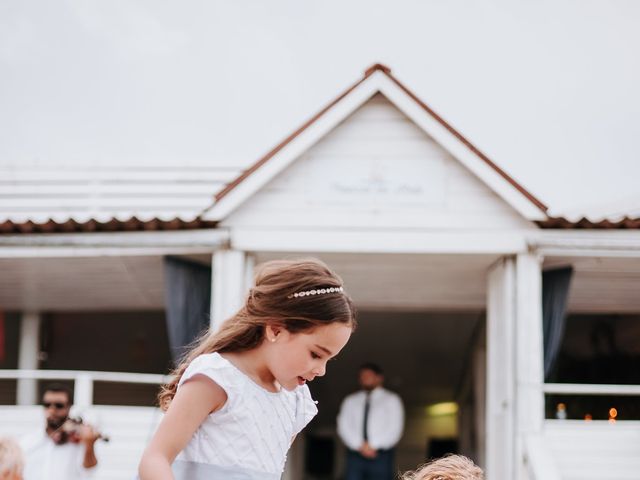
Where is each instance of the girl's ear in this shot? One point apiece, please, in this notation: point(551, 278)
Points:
point(272, 331)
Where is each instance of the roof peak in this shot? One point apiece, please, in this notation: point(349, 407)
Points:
point(375, 67)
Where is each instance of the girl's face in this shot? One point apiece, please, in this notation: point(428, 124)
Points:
point(297, 358)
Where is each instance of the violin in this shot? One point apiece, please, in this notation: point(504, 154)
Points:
point(69, 431)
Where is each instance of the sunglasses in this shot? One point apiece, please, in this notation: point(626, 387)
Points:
point(56, 405)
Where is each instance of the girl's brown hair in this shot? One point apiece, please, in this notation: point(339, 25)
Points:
point(452, 467)
point(268, 303)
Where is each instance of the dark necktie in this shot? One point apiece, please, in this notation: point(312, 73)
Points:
point(365, 422)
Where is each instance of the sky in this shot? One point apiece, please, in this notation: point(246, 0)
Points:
point(547, 89)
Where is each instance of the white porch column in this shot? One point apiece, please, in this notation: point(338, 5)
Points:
point(228, 284)
point(27, 389)
point(500, 403)
point(529, 354)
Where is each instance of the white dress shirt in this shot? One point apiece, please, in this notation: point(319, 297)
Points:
point(385, 421)
point(44, 460)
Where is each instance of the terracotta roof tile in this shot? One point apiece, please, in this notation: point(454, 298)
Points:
point(113, 225)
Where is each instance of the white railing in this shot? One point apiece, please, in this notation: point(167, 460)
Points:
point(84, 380)
point(590, 389)
point(539, 459)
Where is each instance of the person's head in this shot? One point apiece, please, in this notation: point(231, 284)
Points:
point(56, 401)
point(451, 467)
point(11, 460)
point(297, 313)
point(370, 376)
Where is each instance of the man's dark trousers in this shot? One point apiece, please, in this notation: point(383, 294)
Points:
point(361, 468)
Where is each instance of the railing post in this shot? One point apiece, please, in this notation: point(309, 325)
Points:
point(83, 391)
point(27, 391)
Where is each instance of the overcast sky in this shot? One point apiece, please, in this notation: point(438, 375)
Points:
point(548, 88)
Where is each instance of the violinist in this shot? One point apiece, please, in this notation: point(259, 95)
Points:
point(64, 449)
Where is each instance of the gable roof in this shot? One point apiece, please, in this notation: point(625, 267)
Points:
point(376, 79)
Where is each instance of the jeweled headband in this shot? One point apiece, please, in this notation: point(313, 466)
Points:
point(317, 291)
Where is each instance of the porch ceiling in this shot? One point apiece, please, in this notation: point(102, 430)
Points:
point(410, 282)
point(602, 285)
point(376, 282)
point(82, 283)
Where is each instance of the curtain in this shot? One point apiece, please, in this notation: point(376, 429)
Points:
point(555, 292)
point(2, 337)
point(187, 302)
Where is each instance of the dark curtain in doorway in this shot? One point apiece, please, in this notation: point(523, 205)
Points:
point(187, 301)
point(555, 292)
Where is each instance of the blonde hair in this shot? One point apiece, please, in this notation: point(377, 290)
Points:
point(11, 460)
point(452, 467)
point(271, 302)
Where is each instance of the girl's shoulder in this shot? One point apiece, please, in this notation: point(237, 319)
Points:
point(218, 369)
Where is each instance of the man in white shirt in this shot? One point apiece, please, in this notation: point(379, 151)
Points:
point(370, 424)
point(57, 453)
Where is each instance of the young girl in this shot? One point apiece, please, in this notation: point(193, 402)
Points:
point(240, 396)
point(451, 467)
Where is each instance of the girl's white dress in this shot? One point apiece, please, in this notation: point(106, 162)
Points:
point(248, 438)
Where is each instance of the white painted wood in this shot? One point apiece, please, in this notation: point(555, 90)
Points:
point(129, 429)
point(105, 192)
point(408, 282)
point(591, 389)
point(118, 377)
point(594, 450)
point(540, 462)
point(108, 283)
point(112, 244)
point(480, 395)
point(586, 243)
point(426, 189)
point(83, 391)
point(601, 284)
point(249, 271)
point(228, 284)
point(500, 448)
point(529, 353)
point(377, 82)
point(370, 240)
point(460, 151)
point(292, 150)
point(27, 389)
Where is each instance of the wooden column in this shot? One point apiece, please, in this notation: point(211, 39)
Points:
point(228, 284)
point(27, 389)
point(500, 404)
point(529, 355)
point(515, 401)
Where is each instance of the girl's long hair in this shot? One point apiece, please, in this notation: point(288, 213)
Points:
point(268, 303)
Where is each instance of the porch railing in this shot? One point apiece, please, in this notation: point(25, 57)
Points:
point(83, 380)
point(590, 389)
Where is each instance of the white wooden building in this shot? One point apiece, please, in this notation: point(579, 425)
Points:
point(442, 251)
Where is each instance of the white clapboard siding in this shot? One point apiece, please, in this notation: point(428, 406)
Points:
point(82, 193)
point(595, 450)
point(129, 429)
point(377, 169)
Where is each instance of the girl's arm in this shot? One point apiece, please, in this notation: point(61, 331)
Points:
point(196, 398)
